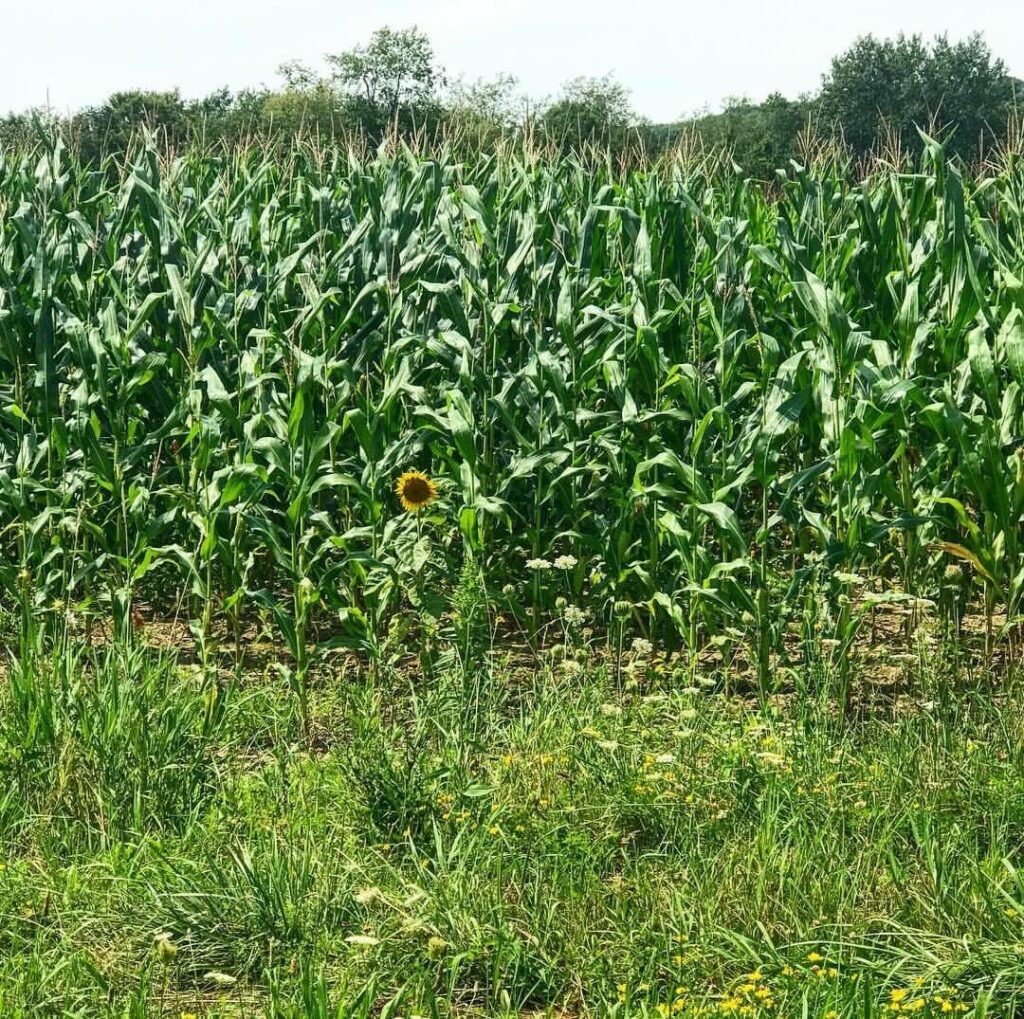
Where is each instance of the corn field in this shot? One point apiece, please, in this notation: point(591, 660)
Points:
point(734, 414)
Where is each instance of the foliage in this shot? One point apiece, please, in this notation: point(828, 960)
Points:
point(760, 137)
point(874, 99)
point(590, 111)
point(711, 399)
point(486, 111)
point(598, 730)
point(394, 73)
point(112, 742)
point(663, 849)
point(112, 125)
point(902, 85)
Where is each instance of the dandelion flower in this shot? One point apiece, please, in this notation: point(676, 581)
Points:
point(415, 490)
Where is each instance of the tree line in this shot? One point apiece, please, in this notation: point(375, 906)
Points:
point(876, 97)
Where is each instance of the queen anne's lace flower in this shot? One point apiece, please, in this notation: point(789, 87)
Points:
point(572, 669)
point(574, 615)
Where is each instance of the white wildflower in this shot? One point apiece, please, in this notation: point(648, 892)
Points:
point(538, 564)
point(574, 615)
point(221, 979)
point(572, 669)
point(565, 562)
point(848, 578)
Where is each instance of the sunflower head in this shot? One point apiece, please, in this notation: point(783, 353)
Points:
point(415, 490)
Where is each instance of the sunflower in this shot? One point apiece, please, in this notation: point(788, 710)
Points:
point(415, 490)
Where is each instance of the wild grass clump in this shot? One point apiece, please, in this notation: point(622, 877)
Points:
point(647, 840)
point(107, 743)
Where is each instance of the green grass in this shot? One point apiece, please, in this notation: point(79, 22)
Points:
point(581, 842)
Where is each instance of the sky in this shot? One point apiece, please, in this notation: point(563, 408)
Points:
point(676, 56)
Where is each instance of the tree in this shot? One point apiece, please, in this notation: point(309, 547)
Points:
point(308, 103)
point(297, 75)
point(302, 111)
point(496, 102)
point(975, 92)
point(112, 126)
point(590, 110)
point(902, 84)
point(761, 137)
point(395, 70)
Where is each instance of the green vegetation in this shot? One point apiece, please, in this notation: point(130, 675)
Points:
point(873, 102)
point(496, 585)
point(507, 838)
point(874, 99)
point(723, 405)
